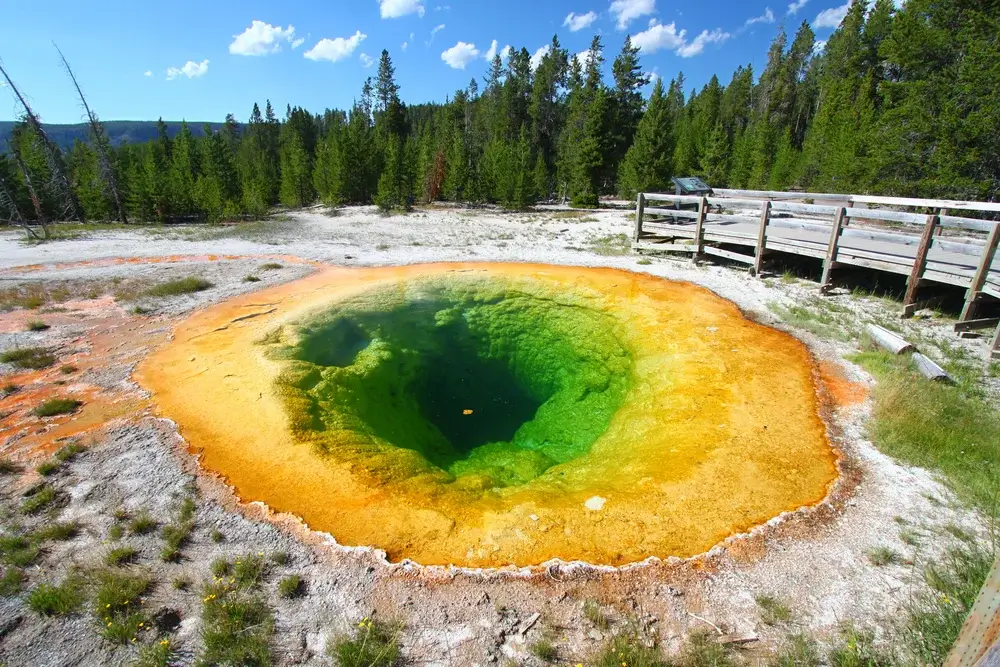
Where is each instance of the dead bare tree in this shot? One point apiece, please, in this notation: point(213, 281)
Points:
point(60, 184)
point(101, 144)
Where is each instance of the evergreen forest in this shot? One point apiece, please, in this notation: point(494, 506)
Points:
point(900, 101)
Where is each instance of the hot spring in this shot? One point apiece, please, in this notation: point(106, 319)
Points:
point(487, 415)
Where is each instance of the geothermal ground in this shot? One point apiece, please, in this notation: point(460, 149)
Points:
point(96, 293)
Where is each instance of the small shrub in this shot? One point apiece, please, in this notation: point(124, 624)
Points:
point(8, 467)
point(629, 650)
point(44, 496)
point(291, 586)
point(67, 369)
point(251, 279)
point(52, 600)
point(48, 468)
point(118, 606)
point(374, 644)
point(139, 310)
point(69, 452)
point(279, 557)
point(179, 286)
point(271, 266)
point(217, 536)
point(11, 582)
point(57, 406)
point(881, 556)
point(116, 532)
point(772, 610)
point(142, 524)
point(28, 358)
point(37, 325)
point(544, 650)
point(219, 568)
point(119, 556)
point(181, 583)
point(248, 571)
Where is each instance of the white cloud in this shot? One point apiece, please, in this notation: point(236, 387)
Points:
point(576, 22)
point(624, 11)
point(261, 39)
point(434, 31)
point(583, 58)
point(404, 45)
point(658, 37)
point(505, 52)
point(366, 60)
point(393, 9)
point(717, 36)
point(536, 59)
point(298, 42)
point(819, 46)
point(460, 55)
point(831, 18)
point(191, 70)
point(766, 17)
point(148, 73)
point(492, 52)
point(335, 49)
point(796, 6)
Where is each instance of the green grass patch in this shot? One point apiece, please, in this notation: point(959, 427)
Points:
point(544, 649)
point(882, 556)
point(68, 369)
point(28, 358)
point(798, 651)
point(37, 325)
point(237, 627)
point(18, 550)
point(118, 606)
point(11, 582)
point(176, 533)
point(8, 389)
point(271, 266)
point(57, 600)
point(48, 468)
point(178, 286)
point(818, 316)
point(60, 531)
point(251, 279)
point(158, 654)
point(69, 452)
point(42, 497)
point(57, 406)
point(291, 586)
point(217, 536)
point(645, 261)
point(772, 610)
point(123, 555)
point(951, 430)
point(373, 644)
point(592, 612)
point(142, 523)
point(279, 557)
point(611, 245)
point(627, 650)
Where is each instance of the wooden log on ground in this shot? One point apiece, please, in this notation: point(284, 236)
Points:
point(888, 340)
point(929, 369)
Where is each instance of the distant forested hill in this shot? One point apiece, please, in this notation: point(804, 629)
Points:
point(119, 131)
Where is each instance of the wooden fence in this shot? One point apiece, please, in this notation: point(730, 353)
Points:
point(841, 231)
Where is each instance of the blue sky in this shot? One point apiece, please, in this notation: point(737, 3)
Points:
point(200, 60)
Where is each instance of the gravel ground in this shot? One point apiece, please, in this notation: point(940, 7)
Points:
point(815, 560)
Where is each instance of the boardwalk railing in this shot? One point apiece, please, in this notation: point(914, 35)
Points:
point(841, 231)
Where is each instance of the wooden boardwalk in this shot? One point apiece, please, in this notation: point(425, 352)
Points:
point(842, 230)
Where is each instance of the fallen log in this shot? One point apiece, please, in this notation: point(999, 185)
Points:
point(888, 340)
point(929, 369)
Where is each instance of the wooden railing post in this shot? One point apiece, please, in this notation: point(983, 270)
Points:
point(979, 279)
point(919, 264)
point(831, 250)
point(765, 217)
point(699, 228)
point(640, 204)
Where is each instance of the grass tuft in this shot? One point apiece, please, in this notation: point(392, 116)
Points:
point(291, 586)
point(882, 556)
point(43, 496)
point(544, 650)
point(237, 627)
point(69, 452)
point(158, 654)
point(37, 325)
point(143, 523)
point(123, 555)
point(118, 603)
point(772, 610)
point(628, 650)
point(178, 286)
point(57, 406)
point(373, 644)
point(8, 467)
point(56, 600)
point(592, 612)
point(271, 266)
point(251, 279)
point(11, 582)
point(28, 358)
point(177, 532)
point(68, 369)
point(48, 468)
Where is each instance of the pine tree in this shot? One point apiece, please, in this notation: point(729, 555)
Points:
point(647, 166)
